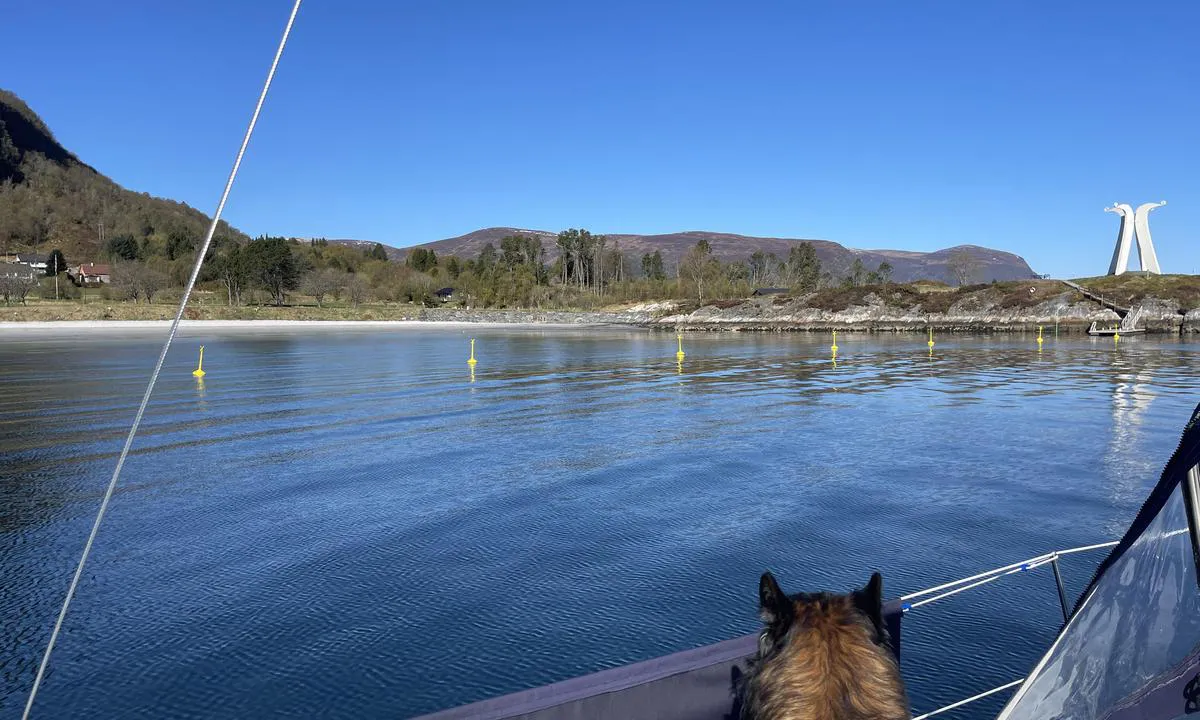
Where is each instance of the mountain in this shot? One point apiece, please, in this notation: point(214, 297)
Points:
point(835, 258)
point(49, 198)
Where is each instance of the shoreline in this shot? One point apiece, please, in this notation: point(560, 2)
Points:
point(48, 325)
point(974, 326)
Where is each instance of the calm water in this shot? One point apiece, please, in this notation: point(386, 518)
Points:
point(345, 525)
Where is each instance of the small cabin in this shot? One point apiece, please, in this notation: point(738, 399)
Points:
point(762, 292)
point(446, 294)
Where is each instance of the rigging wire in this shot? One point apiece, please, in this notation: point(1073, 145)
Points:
point(137, 420)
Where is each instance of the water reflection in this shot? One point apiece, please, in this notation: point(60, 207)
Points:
point(1125, 463)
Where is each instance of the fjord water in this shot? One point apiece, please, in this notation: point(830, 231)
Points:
point(344, 524)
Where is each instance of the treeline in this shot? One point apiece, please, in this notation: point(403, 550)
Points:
point(590, 270)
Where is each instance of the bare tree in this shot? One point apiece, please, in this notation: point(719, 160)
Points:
point(320, 283)
point(356, 289)
point(137, 281)
point(963, 266)
point(150, 281)
point(123, 280)
point(699, 267)
point(14, 288)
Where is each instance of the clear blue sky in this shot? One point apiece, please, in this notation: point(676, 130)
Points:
point(912, 125)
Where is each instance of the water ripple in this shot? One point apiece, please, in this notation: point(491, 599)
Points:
point(356, 518)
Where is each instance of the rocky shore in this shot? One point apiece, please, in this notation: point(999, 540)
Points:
point(1068, 311)
point(1003, 308)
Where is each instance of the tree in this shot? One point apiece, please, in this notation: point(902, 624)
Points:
point(121, 247)
point(320, 283)
point(757, 268)
point(659, 271)
point(378, 252)
point(122, 280)
point(421, 259)
point(356, 288)
point(453, 267)
point(272, 265)
point(804, 267)
point(149, 282)
point(579, 257)
point(857, 272)
point(137, 281)
point(698, 267)
point(962, 266)
point(487, 258)
point(234, 272)
point(181, 242)
point(885, 272)
point(55, 263)
point(652, 266)
point(16, 287)
point(566, 248)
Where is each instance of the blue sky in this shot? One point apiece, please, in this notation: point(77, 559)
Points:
point(911, 125)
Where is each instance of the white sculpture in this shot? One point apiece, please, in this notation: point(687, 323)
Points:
point(1134, 222)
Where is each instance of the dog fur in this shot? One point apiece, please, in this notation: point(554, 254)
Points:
point(823, 656)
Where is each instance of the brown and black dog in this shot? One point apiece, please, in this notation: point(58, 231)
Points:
point(823, 656)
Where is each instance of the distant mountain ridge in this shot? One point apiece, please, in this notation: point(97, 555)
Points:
point(835, 258)
point(51, 198)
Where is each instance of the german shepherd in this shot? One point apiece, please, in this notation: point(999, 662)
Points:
point(823, 656)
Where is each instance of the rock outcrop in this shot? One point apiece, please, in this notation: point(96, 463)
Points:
point(975, 313)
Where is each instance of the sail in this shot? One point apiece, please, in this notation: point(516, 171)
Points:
point(1131, 649)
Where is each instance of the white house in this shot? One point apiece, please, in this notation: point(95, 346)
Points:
point(37, 262)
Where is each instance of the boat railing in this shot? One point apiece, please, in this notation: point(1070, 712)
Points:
point(912, 601)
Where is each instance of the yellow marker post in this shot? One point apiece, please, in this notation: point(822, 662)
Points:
point(1039, 338)
point(471, 360)
point(199, 371)
point(930, 343)
point(834, 347)
point(1116, 338)
point(679, 355)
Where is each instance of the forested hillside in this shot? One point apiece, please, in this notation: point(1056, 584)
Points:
point(49, 199)
point(54, 204)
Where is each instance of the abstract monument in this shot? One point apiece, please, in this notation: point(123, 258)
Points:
point(1134, 223)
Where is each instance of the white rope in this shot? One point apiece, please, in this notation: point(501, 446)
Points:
point(971, 699)
point(1085, 548)
point(137, 420)
point(1031, 563)
point(961, 581)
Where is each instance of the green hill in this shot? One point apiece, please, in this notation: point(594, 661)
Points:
point(49, 198)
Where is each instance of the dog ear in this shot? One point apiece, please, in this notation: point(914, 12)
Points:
point(774, 607)
point(869, 601)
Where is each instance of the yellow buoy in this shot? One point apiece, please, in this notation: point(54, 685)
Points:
point(1039, 337)
point(679, 355)
point(930, 343)
point(834, 348)
point(471, 360)
point(199, 371)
